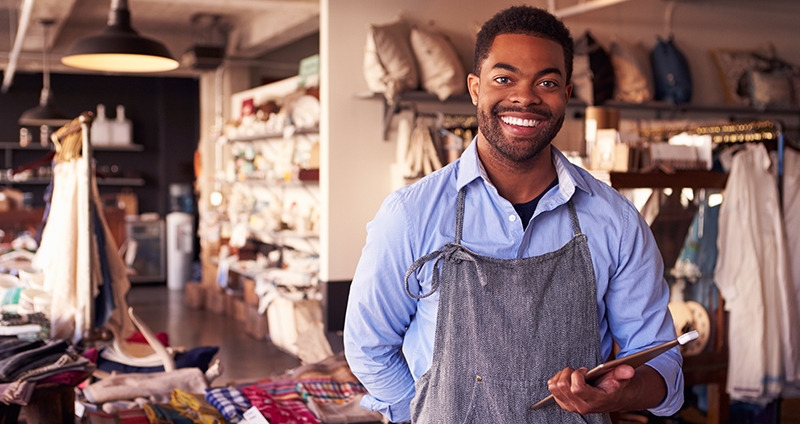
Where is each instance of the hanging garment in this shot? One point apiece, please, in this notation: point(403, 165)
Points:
point(752, 276)
point(698, 256)
point(59, 256)
point(482, 372)
point(791, 216)
point(68, 256)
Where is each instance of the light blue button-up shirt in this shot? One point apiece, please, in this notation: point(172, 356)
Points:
point(388, 336)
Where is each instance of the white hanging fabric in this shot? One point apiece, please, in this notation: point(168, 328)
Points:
point(752, 276)
point(791, 217)
point(62, 255)
point(68, 254)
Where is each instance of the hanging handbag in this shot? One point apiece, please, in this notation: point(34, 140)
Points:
point(671, 76)
point(601, 69)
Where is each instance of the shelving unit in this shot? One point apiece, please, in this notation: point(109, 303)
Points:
point(283, 191)
point(9, 149)
point(660, 110)
point(676, 180)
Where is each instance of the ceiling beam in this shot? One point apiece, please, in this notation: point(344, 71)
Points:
point(254, 5)
point(579, 8)
point(13, 56)
point(268, 31)
point(31, 12)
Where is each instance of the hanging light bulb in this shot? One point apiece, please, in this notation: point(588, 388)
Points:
point(119, 48)
point(46, 113)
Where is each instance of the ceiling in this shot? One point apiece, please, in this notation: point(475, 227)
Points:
point(257, 26)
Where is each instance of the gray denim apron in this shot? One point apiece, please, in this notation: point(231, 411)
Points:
point(504, 327)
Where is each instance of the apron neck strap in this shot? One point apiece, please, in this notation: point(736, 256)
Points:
point(573, 216)
point(462, 195)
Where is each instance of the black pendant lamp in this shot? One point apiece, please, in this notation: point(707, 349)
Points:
point(46, 113)
point(119, 48)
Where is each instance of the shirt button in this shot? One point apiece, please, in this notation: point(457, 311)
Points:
point(479, 378)
point(512, 218)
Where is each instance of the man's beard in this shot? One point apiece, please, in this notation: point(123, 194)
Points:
point(518, 150)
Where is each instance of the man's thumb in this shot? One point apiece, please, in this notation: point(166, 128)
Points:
point(624, 372)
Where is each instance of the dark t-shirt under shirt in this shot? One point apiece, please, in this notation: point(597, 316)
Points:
point(526, 210)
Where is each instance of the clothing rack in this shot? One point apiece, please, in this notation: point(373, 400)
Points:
point(72, 141)
point(766, 131)
point(417, 100)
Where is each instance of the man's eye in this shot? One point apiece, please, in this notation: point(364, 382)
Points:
point(549, 84)
point(502, 80)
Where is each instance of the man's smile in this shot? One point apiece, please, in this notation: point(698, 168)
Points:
point(519, 122)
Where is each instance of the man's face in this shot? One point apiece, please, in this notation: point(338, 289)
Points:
point(521, 95)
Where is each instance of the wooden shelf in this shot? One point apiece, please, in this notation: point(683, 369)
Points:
point(137, 182)
point(120, 148)
point(677, 180)
point(14, 145)
point(273, 135)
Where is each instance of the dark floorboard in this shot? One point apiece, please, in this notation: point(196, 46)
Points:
point(243, 357)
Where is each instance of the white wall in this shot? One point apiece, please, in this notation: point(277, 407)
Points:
point(356, 161)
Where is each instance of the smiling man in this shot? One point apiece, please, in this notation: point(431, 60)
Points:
point(501, 278)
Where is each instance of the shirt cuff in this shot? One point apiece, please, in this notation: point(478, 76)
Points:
point(673, 378)
point(397, 412)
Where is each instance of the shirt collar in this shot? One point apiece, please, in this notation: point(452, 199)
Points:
point(569, 177)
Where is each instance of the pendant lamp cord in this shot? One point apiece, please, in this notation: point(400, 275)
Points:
point(45, 96)
point(119, 14)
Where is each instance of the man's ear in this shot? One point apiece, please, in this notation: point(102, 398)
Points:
point(568, 92)
point(473, 85)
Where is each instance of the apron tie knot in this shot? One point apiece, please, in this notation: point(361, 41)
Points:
point(451, 252)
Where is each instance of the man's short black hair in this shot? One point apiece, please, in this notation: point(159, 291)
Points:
point(524, 20)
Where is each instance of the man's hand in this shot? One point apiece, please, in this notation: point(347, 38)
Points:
point(574, 394)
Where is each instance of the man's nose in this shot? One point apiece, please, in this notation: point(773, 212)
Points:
point(526, 94)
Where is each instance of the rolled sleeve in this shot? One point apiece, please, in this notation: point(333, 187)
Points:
point(669, 366)
point(637, 311)
point(395, 412)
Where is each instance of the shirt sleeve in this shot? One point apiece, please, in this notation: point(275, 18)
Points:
point(379, 312)
point(636, 305)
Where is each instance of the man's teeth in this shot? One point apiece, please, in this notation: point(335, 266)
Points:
point(520, 122)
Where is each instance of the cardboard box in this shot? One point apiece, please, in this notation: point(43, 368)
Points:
point(249, 290)
point(215, 300)
point(194, 295)
point(230, 302)
point(209, 273)
point(239, 310)
point(256, 325)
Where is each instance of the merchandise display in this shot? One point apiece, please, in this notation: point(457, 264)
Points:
point(696, 122)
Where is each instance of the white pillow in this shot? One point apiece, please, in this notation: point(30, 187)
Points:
point(441, 71)
point(389, 64)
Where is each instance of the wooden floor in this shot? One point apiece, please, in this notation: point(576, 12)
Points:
point(243, 358)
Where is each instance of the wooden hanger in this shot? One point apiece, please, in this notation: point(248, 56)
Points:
point(69, 138)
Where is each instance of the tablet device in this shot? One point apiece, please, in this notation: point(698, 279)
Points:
point(635, 360)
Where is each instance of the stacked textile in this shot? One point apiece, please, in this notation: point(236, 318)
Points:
point(322, 393)
point(336, 402)
point(24, 364)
